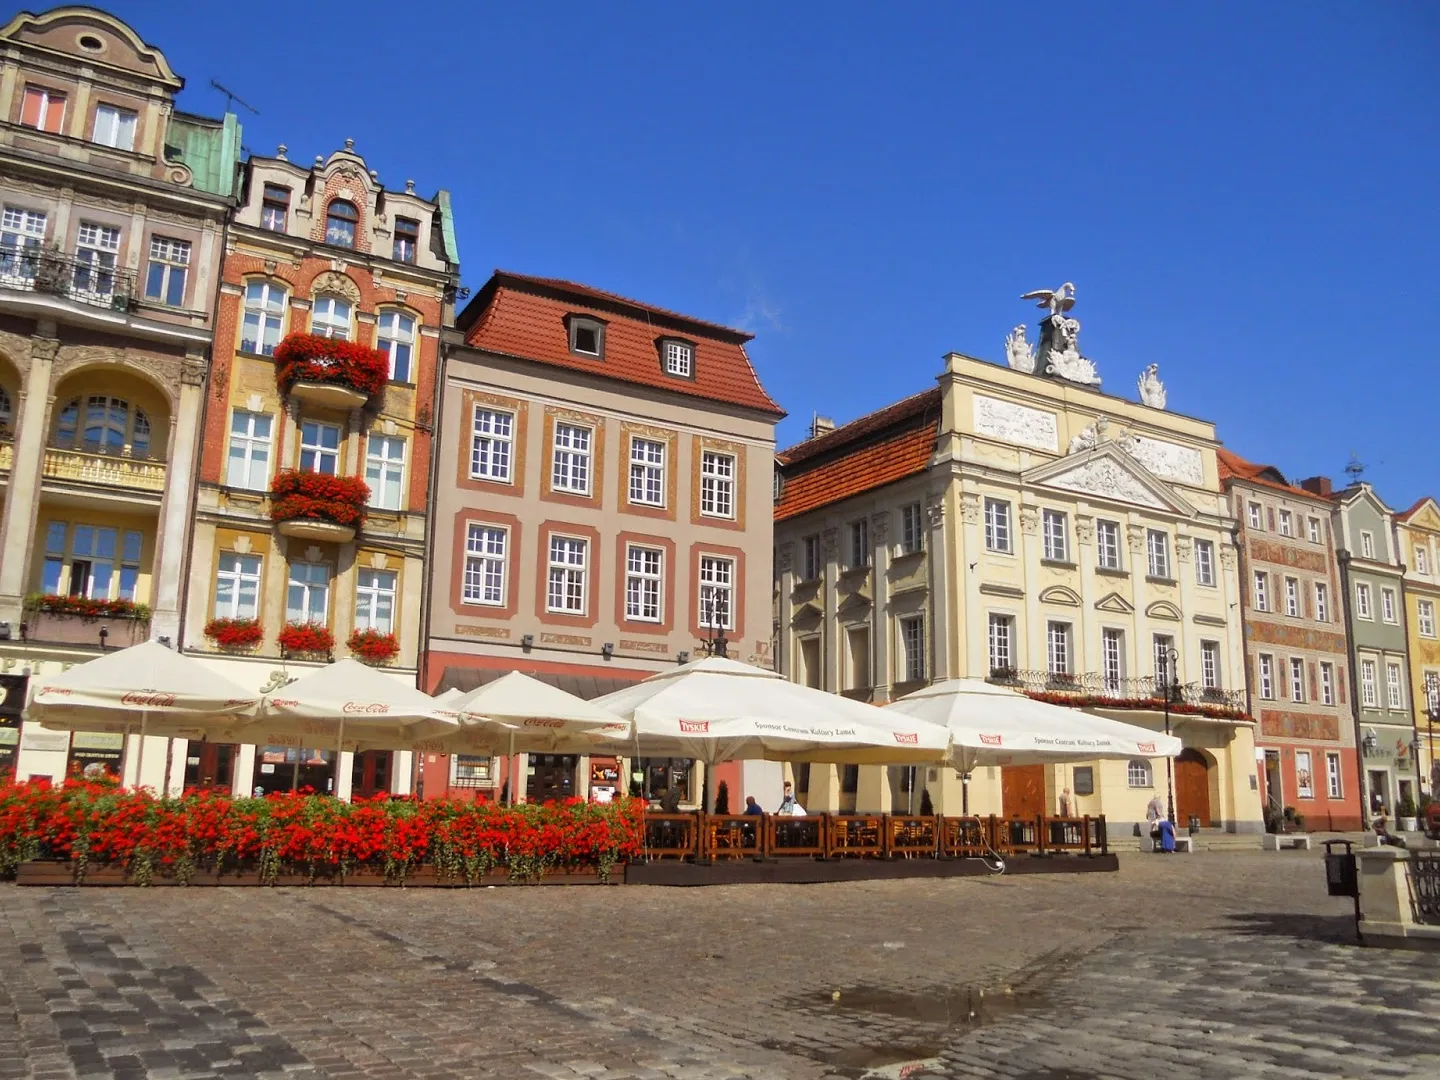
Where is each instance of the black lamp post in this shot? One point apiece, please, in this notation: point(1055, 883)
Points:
point(1432, 712)
point(1170, 682)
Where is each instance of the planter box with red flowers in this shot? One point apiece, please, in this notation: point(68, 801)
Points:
point(95, 833)
point(318, 506)
point(235, 633)
point(77, 620)
point(306, 639)
point(373, 646)
point(329, 372)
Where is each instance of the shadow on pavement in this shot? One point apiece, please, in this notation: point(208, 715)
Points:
point(1330, 929)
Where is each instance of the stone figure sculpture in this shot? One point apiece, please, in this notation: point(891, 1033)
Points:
point(1019, 353)
point(1058, 301)
point(1152, 390)
point(1059, 350)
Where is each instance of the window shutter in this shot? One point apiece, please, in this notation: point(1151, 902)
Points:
point(30, 110)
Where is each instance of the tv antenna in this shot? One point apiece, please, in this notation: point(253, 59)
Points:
point(1355, 469)
point(233, 98)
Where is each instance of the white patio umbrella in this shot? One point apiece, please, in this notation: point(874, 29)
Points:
point(146, 688)
point(521, 713)
point(445, 701)
point(995, 725)
point(717, 709)
point(350, 705)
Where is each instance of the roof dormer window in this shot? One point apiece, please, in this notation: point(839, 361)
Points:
point(587, 336)
point(341, 217)
point(678, 357)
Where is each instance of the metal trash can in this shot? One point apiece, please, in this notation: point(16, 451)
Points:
point(1194, 824)
point(1341, 874)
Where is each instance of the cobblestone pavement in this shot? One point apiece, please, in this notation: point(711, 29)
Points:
point(1228, 964)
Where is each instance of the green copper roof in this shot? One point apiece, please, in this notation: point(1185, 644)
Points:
point(447, 227)
point(209, 147)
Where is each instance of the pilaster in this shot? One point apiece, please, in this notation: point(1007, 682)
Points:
point(22, 498)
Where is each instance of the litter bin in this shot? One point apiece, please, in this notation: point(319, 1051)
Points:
point(1194, 824)
point(1341, 876)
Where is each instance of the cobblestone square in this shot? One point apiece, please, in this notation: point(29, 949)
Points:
point(1231, 964)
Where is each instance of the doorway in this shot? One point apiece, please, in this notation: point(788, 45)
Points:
point(1192, 787)
point(370, 774)
point(551, 778)
point(1379, 791)
point(281, 768)
point(1022, 790)
point(1274, 789)
point(209, 766)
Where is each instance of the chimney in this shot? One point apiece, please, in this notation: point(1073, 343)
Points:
point(1317, 485)
point(821, 425)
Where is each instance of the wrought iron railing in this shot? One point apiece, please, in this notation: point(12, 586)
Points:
point(70, 277)
point(1133, 693)
point(1424, 870)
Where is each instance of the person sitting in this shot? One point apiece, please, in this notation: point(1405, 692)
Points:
point(1167, 836)
point(753, 808)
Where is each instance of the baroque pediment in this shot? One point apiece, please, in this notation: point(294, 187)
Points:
point(1059, 594)
point(1115, 604)
point(1106, 472)
point(1163, 609)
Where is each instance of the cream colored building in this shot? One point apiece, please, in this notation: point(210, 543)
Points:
point(1044, 533)
point(114, 210)
point(1417, 540)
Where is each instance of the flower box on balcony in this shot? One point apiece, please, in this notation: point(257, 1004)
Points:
point(316, 506)
point(328, 372)
point(235, 634)
point(306, 639)
point(373, 646)
point(77, 620)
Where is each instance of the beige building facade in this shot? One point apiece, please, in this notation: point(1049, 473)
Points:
point(1417, 539)
point(114, 212)
point(1013, 526)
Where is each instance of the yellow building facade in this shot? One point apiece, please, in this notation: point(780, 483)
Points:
point(1417, 539)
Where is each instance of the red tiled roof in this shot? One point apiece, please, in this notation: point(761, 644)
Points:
point(1408, 514)
point(1232, 466)
point(522, 316)
point(865, 454)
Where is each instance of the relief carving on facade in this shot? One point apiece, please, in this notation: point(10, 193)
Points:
point(1297, 637)
point(1104, 477)
point(1227, 557)
point(1182, 549)
point(969, 508)
point(935, 509)
point(1009, 422)
point(1167, 459)
point(1135, 537)
point(1288, 555)
point(1029, 520)
point(1084, 531)
point(1291, 725)
point(339, 284)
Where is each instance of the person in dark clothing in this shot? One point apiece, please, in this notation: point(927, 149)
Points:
point(753, 808)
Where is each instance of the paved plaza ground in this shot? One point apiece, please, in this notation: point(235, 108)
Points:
point(1230, 964)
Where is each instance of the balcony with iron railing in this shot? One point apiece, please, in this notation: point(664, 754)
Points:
point(70, 277)
point(1097, 690)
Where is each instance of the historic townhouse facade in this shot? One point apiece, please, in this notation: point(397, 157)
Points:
point(602, 507)
point(293, 563)
point(114, 207)
point(1372, 582)
point(1296, 650)
point(1417, 538)
point(1033, 530)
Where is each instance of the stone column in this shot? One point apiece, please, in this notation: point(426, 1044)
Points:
point(944, 619)
point(22, 498)
point(175, 515)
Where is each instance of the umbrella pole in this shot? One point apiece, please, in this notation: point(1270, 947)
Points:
point(965, 794)
point(339, 749)
point(512, 770)
point(140, 754)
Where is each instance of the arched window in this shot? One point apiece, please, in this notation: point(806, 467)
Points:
point(264, 321)
point(330, 317)
point(7, 415)
point(396, 338)
point(340, 220)
point(103, 425)
point(1139, 773)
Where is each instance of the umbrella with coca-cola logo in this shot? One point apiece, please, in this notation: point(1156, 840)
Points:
point(146, 689)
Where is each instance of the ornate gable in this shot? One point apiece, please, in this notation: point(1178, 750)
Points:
point(1426, 515)
point(1106, 472)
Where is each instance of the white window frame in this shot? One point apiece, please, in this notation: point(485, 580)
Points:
point(911, 632)
point(492, 444)
point(1387, 606)
point(1422, 562)
point(912, 529)
point(1304, 771)
point(1327, 684)
point(330, 317)
point(1157, 553)
point(1204, 562)
point(1322, 602)
point(1262, 590)
point(1210, 665)
point(1265, 665)
point(567, 583)
point(1058, 652)
point(1001, 642)
point(22, 234)
point(486, 574)
point(998, 534)
point(1362, 600)
point(1425, 617)
point(1055, 535)
point(1394, 686)
point(1369, 692)
point(644, 583)
point(1292, 597)
point(1334, 781)
point(1139, 773)
point(679, 359)
point(716, 580)
point(171, 257)
point(1107, 544)
point(859, 534)
point(97, 252)
point(320, 453)
point(1112, 658)
point(571, 448)
point(233, 573)
point(1287, 523)
point(1256, 516)
point(49, 99)
point(647, 471)
point(1312, 530)
point(313, 580)
point(1367, 545)
point(1160, 647)
point(253, 464)
point(811, 562)
point(717, 484)
point(372, 588)
point(1297, 679)
point(395, 337)
point(265, 305)
point(114, 127)
point(385, 469)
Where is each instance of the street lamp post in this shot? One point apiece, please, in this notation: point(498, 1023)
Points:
point(1172, 657)
point(1432, 711)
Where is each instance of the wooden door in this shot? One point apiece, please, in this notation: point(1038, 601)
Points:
point(552, 778)
point(209, 765)
point(370, 774)
point(1192, 788)
point(1022, 790)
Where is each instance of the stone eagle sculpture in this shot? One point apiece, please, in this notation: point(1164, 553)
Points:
point(1058, 301)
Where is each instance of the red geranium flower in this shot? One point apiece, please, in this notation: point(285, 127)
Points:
point(295, 493)
point(235, 633)
point(373, 646)
point(299, 637)
point(315, 358)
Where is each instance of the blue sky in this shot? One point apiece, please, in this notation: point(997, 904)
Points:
point(1243, 193)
